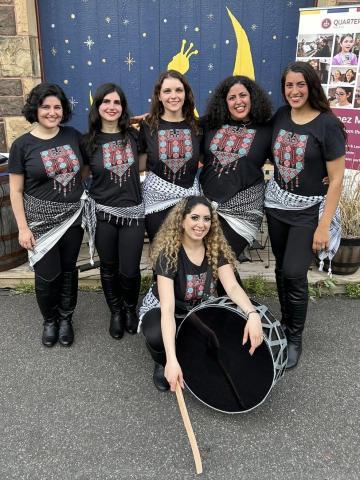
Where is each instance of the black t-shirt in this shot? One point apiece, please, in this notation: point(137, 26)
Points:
point(172, 151)
point(51, 167)
point(115, 170)
point(300, 152)
point(189, 279)
point(233, 158)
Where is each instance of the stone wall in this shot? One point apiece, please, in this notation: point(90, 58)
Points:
point(19, 65)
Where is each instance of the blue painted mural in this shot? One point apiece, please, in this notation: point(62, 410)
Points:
point(87, 42)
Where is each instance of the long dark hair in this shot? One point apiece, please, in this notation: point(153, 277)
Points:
point(157, 108)
point(37, 96)
point(94, 120)
point(217, 112)
point(317, 98)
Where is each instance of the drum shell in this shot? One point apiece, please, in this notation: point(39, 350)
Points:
point(11, 254)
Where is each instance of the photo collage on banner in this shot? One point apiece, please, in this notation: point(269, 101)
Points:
point(329, 39)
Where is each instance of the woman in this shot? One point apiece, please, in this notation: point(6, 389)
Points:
point(343, 97)
point(236, 145)
point(308, 144)
point(345, 56)
point(350, 76)
point(111, 146)
point(336, 77)
point(170, 143)
point(189, 254)
point(46, 195)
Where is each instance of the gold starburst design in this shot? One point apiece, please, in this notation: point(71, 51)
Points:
point(129, 61)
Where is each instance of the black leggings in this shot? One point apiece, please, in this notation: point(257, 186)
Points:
point(62, 257)
point(153, 222)
point(121, 245)
point(291, 246)
point(236, 241)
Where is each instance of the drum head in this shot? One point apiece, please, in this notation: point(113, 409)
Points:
point(217, 368)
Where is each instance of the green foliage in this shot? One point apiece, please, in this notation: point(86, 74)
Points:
point(323, 288)
point(259, 287)
point(25, 287)
point(146, 282)
point(352, 290)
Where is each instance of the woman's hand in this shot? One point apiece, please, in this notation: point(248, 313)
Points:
point(253, 329)
point(321, 239)
point(173, 374)
point(26, 239)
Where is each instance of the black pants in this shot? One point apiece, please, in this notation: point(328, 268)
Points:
point(153, 222)
point(62, 257)
point(121, 245)
point(236, 241)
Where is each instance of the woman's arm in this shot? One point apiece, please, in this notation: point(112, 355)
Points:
point(335, 170)
point(173, 371)
point(253, 328)
point(26, 238)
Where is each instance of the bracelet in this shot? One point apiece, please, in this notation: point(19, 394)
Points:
point(248, 314)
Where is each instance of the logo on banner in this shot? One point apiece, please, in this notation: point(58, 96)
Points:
point(326, 23)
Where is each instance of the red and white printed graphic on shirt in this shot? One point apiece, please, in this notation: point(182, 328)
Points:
point(175, 150)
point(228, 145)
point(61, 164)
point(118, 158)
point(289, 153)
point(195, 285)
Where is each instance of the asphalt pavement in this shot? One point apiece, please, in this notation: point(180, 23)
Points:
point(91, 412)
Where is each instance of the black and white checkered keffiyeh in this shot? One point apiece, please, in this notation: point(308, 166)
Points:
point(121, 214)
point(276, 197)
point(48, 221)
point(244, 211)
point(158, 194)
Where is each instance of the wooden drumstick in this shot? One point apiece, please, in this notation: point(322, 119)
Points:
point(189, 429)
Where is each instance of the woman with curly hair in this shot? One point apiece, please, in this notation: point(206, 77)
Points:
point(118, 211)
point(236, 144)
point(308, 144)
point(189, 254)
point(47, 199)
point(170, 143)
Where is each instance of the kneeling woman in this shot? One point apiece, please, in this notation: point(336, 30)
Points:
point(189, 254)
point(118, 212)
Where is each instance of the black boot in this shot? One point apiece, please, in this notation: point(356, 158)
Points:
point(68, 301)
point(47, 296)
point(110, 284)
point(282, 297)
point(297, 302)
point(159, 379)
point(130, 288)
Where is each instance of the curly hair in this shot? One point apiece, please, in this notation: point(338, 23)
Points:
point(157, 108)
point(217, 112)
point(317, 98)
point(37, 96)
point(95, 123)
point(168, 240)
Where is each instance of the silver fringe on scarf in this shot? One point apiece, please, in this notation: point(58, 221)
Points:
point(122, 214)
point(276, 197)
point(244, 211)
point(158, 194)
point(48, 221)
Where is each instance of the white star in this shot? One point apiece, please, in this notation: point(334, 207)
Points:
point(126, 22)
point(254, 27)
point(210, 67)
point(211, 16)
point(53, 51)
point(214, 46)
point(89, 42)
point(107, 19)
point(185, 27)
point(129, 61)
point(72, 102)
point(289, 4)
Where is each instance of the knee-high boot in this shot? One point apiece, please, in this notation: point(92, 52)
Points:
point(282, 296)
point(68, 301)
point(297, 302)
point(110, 284)
point(130, 288)
point(47, 296)
point(159, 379)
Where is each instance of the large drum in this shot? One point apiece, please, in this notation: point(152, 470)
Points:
point(11, 254)
point(217, 368)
